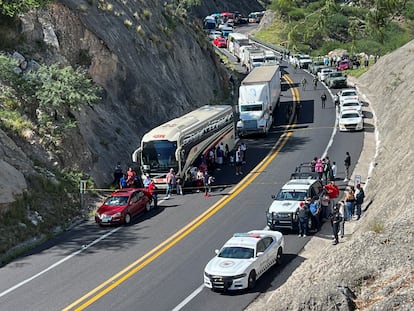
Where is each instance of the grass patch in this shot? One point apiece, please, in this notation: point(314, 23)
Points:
point(377, 226)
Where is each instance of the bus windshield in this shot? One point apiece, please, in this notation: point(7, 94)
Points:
point(159, 155)
point(245, 108)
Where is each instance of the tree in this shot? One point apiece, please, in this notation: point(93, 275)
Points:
point(58, 91)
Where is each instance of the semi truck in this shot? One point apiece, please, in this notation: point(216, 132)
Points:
point(259, 94)
point(252, 57)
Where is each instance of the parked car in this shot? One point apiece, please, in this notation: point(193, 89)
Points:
point(344, 64)
point(336, 79)
point(122, 205)
point(220, 42)
point(323, 73)
point(345, 94)
point(243, 259)
point(350, 120)
point(351, 104)
point(282, 212)
point(316, 66)
point(214, 34)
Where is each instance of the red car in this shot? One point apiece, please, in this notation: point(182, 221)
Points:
point(220, 42)
point(122, 205)
point(344, 64)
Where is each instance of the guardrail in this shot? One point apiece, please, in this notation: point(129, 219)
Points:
point(276, 48)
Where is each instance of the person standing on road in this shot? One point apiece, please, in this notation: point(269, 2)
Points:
point(315, 82)
point(335, 221)
point(304, 83)
point(349, 202)
point(347, 163)
point(170, 178)
point(323, 100)
point(152, 189)
point(359, 199)
point(303, 219)
point(238, 159)
point(243, 149)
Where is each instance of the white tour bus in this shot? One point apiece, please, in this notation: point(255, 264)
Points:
point(235, 41)
point(179, 143)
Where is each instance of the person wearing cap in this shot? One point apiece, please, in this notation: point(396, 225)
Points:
point(303, 218)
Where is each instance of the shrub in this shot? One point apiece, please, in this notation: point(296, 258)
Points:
point(147, 14)
point(127, 23)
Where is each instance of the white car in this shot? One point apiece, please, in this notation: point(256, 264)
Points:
point(243, 259)
point(346, 94)
point(351, 104)
point(324, 73)
point(282, 213)
point(350, 120)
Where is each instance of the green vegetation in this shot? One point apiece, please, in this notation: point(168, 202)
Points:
point(317, 27)
point(31, 216)
point(14, 7)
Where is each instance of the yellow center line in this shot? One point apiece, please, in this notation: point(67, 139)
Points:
point(157, 251)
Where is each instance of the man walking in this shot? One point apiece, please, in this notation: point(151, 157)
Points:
point(323, 100)
point(347, 163)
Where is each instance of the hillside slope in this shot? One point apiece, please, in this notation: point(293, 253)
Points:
point(374, 268)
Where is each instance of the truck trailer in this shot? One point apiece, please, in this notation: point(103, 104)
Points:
point(259, 94)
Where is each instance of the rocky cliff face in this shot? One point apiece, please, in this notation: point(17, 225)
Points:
point(152, 66)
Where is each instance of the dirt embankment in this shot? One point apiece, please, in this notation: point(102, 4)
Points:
point(373, 267)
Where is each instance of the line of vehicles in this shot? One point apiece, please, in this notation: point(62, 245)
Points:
point(178, 144)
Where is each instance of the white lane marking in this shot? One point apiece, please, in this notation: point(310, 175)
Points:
point(189, 298)
point(330, 142)
point(84, 247)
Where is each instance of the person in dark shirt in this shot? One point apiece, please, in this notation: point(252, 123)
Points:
point(303, 218)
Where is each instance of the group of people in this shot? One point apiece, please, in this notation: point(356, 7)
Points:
point(125, 180)
point(326, 170)
point(323, 207)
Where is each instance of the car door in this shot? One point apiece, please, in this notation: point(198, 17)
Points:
point(134, 203)
point(142, 201)
point(261, 257)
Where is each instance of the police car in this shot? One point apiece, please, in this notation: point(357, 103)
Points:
point(243, 259)
point(282, 212)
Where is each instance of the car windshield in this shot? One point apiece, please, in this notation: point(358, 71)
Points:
point(350, 93)
point(236, 252)
point(116, 201)
point(350, 115)
point(159, 154)
point(245, 108)
point(291, 195)
point(335, 74)
point(351, 104)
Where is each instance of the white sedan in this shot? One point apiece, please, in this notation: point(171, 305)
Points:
point(324, 73)
point(243, 259)
point(351, 104)
point(346, 94)
point(350, 120)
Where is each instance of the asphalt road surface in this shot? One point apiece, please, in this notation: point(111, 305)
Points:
point(157, 263)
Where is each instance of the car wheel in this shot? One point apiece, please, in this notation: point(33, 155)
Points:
point(128, 219)
point(252, 279)
point(148, 206)
point(279, 256)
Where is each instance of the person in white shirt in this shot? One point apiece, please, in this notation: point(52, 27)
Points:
point(334, 170)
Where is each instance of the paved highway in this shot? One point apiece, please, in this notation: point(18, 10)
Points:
point(157, 263)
